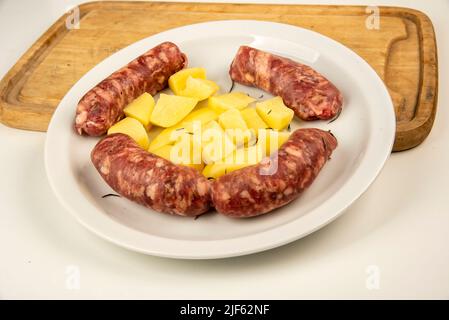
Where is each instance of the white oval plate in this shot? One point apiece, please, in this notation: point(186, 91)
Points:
point(365, 132)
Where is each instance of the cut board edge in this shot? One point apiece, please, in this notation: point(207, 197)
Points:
point(408, 134)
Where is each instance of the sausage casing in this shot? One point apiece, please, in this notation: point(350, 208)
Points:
point(310, 95)
point(148, 179)
point(103, 105)
point(255, 190)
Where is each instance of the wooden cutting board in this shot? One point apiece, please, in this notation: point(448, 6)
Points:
point(402, 51)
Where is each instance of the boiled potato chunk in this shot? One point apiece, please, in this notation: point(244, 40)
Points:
point(216, 170)
point(141, 108)
point(200, 89)
point(232, 121)
point(239, 159)
point(132, 128)
point(270, 141)
point(233, 100)
point(166, 151)
point(247, 156)
point(162, 139)
point(177, 82)
point(165, 137)
point(203, 115)
point(187, 150)
point(170, 110)
point(215, 143)
point(241, 137)
point(275, 113)
point(163, 152)
point(201, 105)
point(170, 135)
point(198, 167)
point(253, 121)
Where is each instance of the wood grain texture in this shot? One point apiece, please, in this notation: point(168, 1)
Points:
point(402, 51)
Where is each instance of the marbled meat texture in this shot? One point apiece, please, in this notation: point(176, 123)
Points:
point(103, 105)
point(310, 95)
point(256, 190)
point(150, 180)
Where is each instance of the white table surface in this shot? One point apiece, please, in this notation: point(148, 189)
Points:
point(400, 225)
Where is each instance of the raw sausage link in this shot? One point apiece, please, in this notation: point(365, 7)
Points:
point(150, 180)
point(303, 89)
point(103, 105)
point(247, 192)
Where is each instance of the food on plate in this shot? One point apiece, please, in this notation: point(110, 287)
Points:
point(187, 148)
point(240, 158)
point(177, 82)
point(277, 180)
point(203, 116)
point(148, 179)
point(215, 143)
point(166, 152)
point(233, 100)
point(163, 138)
point(270, 141)
point(201, 105)
point(212, 150)
point(170, 109)
point(309, 94)
point(275, 113)
point(103, 105)
point(253, 121)
point(141, 109)
point(132, 128)
point(232, 121)
point(200, 89)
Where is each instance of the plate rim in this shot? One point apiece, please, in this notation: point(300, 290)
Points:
point(135, 240)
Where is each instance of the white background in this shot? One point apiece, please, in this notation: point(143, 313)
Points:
point(400, 225)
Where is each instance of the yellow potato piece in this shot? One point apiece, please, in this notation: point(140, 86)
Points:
point(239, 159)
point(169, 135)
point(163, 152)
point(245, 156)
point(232, 119)
point(201, 105)
point(162, 139)
point(170, 110)
point(177, 82)
point(234, 125)
point(166, 151)
point(253, 121)
point(275, 113)
point(233, 100)
point(197, 167)
point(203, 115)
point(215, 143)
point(200, 89)
point(132, 128)
point(187, 150)
point(141, 108)
point(216, 170)
point(207, 171)
point(270, 141)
